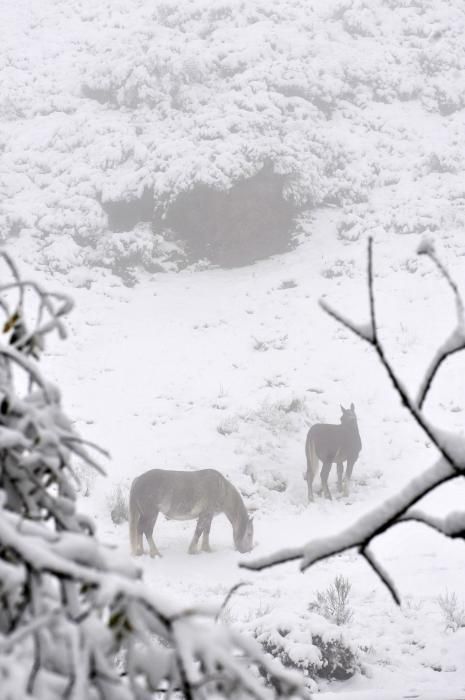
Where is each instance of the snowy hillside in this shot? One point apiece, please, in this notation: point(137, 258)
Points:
point(356, 104)
point(359, 107)
point(169, 374)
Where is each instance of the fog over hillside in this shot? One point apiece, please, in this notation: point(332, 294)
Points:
point(198, 176)
point(113, 112)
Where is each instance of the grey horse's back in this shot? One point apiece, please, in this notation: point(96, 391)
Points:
point(180, 494)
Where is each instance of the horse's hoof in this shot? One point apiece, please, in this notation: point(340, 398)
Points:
point(154, 555)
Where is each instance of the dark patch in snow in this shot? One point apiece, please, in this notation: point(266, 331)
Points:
point(248, 222)
point(124, 215)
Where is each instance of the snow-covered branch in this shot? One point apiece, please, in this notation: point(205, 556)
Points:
point(77, 611)
point(456, 340)
point(398, 508)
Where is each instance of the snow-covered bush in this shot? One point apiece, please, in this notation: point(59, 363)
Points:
point(280, 417)
point(262, 345)
point(228, 425)
point(271, 479)
point(339, 268)
point(118, 504)
point(333, 603)
point(75, 619)
point(124, 252)
point(309, 643)
point(452, 610)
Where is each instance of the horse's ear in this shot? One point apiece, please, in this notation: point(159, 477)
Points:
point(352, 407)
point(342, 408)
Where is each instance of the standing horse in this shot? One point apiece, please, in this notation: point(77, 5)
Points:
point(186, 495)
point(332, 443)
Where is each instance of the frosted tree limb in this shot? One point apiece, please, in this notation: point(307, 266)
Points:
point(381, 572)
point(456, 341)
point(398, 508)
point(369, 333)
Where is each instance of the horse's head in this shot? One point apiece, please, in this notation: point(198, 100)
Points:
point(244, 541)
point(348, 415)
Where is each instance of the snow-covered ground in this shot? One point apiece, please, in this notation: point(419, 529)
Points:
point(359, 104)
point(172, 374)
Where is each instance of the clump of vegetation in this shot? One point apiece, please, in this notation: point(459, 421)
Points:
point(340, 268)
point(118, 504)
point(282, 416)
point(452, 610)
point(333, 603)
point(228, 426)
point(278, 343)
point(271, 479)
point(307, 643)
point(288, 284)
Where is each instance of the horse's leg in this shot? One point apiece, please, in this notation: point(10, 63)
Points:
point(198, 531)
point(140, 533)
point(312, 466)
point(325, 469)
point(348, 475)
point(149, 525)
point(309, 476)
point(340, 472)
point(206, 533)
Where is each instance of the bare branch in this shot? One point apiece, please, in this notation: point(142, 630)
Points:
point(364, 332)
point(229, 595)
point(366, 528)
point(396, 509)
point(381, 572)
point(456, 340)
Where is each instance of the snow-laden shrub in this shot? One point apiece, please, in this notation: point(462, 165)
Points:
point(307, 642)
point(281, 416)
point(228, 425)
point(339, 268)
point(118, 503)
point(453, 611)
point(333, 603)
point(288, 284)
point(263, 345)
point(270, 479)
point(124, 252)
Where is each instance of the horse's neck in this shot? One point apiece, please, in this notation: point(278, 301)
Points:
point(234, 508)
point(350, 433)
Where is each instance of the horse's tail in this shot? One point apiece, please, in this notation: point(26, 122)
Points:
point(134, 516)
point(312, 457)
